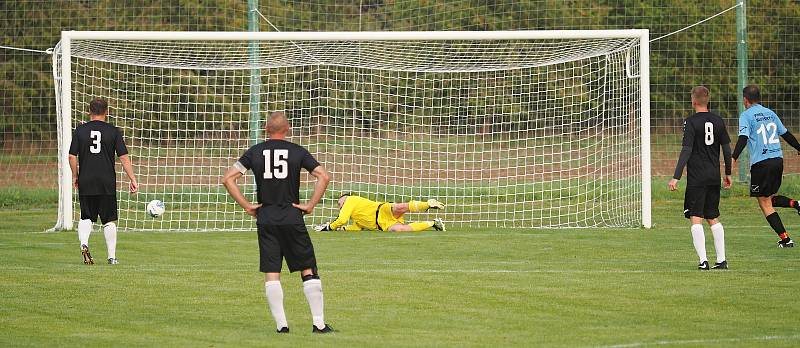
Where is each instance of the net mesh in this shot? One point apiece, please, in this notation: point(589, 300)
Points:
point(522, 133)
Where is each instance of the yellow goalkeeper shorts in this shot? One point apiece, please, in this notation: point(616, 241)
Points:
point(385, 218)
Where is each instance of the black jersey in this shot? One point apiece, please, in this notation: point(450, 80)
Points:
point(704, 132)
point(95, 143)
point(276, 166)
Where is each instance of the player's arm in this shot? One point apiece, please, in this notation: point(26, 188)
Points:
point(73, 165)
point(352, 228)
point(122, 153)
point(73, 158)
point(319, 189)
point(791, 140)
point(683, 158)
point(726, 155)
point(342, 219)
point(744, 134)
point(229, 181)
point(725, 144)
point(127, 166)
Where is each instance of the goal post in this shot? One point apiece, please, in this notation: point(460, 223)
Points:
point(519, 129)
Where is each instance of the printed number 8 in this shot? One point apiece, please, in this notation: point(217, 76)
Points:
point(709, 133)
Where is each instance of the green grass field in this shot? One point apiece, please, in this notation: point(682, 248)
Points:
point(470, 287)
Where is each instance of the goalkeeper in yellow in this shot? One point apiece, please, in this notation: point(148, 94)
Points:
point(383, 216)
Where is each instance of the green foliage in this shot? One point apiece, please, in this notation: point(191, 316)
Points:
point(17, 198)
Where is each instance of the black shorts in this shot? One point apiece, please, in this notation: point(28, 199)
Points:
point(765, 177)
point(276, 242)
point(701, 201)
point(103, 205)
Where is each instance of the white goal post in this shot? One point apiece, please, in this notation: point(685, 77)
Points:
point(518, 129)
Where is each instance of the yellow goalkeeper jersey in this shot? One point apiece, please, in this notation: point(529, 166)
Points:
point(364, 214)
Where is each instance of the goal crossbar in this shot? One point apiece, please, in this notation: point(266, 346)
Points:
point(357, 36)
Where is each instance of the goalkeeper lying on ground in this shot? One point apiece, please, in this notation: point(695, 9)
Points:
point(383, 216)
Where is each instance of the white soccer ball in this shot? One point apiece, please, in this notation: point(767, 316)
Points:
point(155, 208)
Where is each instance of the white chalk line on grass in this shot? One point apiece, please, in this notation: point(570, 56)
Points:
point(367, 269)
point(701, 341)
point(463, 234)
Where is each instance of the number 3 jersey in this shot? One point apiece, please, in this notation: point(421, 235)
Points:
point(276, 166)
point(763, 129)
point(704, 132)
point(95, 143)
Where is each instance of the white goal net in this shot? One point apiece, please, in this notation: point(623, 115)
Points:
point(522, 129)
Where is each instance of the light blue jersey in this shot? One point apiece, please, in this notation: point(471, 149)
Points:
point(763, 129)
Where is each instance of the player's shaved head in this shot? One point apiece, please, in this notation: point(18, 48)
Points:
point(277, 123)
point(752, 93)
point(700, 96)
point(342, 199)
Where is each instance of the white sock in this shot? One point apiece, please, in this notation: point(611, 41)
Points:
point(699, 239)
point(84, 230)
point(719, 241)
point(313, 290)
point(110, 231)
point(275, 299)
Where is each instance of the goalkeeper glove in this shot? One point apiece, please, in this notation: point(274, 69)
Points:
point(322, 227)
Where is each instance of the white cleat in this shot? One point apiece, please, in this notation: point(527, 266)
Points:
point(438, 224)
point(434, 204)
point(113, 261)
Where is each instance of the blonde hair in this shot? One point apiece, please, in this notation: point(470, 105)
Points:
point(700, 95)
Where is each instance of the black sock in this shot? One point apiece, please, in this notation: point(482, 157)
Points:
point(783, 202)
point(776, 224)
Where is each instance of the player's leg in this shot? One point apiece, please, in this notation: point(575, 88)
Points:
point(300, 257)
point(785, 202)
point(774, 220)
point(89, 211)
point(271, 261)
point(765, 180)
point(711, 213)
point(436, 224)
point(108, 216)
point(398, 209)
point(693, 204)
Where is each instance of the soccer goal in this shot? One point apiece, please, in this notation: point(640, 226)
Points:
point(513, 129)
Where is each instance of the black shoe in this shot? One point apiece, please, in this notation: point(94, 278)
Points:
point(283, 330)
point(786, 243)
point(87, 256)
point(326, 329)
point(703, 266)
point(720, 265)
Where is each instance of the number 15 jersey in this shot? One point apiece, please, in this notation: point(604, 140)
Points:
point(276, 166)
point(763, 129)
point(704, 132)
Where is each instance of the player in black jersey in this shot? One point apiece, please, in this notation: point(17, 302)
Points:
point(91, 157)
point(282, 234)
point(704, 134)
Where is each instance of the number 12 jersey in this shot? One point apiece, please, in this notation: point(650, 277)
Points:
point(763, 129)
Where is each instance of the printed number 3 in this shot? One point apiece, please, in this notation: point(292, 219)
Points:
point(771, 127)
point(276, 166)
point(709, 133)
point(95, 135)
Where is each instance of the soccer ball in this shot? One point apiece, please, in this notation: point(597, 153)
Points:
point(155, 208)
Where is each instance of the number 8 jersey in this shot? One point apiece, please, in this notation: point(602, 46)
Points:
point(276, 166)
point(762, 127)
point(704, 132)
point(95, 143)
